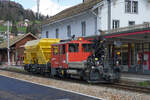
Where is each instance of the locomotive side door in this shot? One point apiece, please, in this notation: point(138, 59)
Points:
point(62, 56)
point(55, 57)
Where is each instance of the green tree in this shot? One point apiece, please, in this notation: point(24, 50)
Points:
point(34, 29)
point(14, 29)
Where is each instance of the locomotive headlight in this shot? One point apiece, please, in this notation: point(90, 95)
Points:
point(96, 59)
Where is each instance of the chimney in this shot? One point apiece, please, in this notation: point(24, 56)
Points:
point(86, 0)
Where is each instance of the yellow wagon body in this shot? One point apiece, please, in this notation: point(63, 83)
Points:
point(39, 51)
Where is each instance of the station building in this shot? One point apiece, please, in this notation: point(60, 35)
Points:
point(126, 20)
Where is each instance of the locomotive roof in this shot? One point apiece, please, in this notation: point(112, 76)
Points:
point(74, 41)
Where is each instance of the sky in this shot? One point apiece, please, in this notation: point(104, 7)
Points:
point(48, 7)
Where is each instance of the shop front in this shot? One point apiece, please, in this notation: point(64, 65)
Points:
point(134, 48)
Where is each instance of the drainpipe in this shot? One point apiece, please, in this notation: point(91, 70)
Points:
point(109, 15)
point(96, 16)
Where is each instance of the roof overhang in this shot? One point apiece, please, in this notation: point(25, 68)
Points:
point(44, 25)
point(133, 36)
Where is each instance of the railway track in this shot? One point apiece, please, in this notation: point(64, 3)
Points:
point(131, 88)
point(120, 86)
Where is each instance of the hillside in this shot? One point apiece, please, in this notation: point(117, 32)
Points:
point(10, 10)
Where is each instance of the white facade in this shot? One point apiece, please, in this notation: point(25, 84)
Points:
point(75, 24)
point(99, 21)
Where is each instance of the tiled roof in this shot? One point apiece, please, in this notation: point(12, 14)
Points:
point(13, 41)
point(72, 11)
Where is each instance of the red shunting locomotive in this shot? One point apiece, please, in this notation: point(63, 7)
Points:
point(76, 58)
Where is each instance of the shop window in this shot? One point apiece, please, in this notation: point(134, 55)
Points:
point(124, 58)
point(87, 47)
point(74, 47)
point(146, 47)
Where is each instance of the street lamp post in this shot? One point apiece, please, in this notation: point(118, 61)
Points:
point(8, 49)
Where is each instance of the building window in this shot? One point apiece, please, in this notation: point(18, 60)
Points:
point(57, 33)
point(69, 31)
point(127, 6)
point(83, 28)
point(131, 23)
point(116, 24)
point(46, 34)
point(131, 6)
point(135, 7)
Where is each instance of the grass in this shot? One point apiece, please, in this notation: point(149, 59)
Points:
point(144, 84)
point(1, 40)
point(3, 28)
point(20, 29)
point(37, 22)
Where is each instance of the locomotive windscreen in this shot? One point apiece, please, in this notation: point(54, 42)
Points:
point(87, 47)
point(73, 47)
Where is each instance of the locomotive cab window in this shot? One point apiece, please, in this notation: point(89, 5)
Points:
point(73, 47)
point(86, 47)
point(55, 50)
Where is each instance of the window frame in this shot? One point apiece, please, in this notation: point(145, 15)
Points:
point(76, 48)
point(131, 22)
point(131, 6)
point(128, 5)
point(135, 7)
point(115, 24)
point(83, 27)
point(47, 34)
point(57, 33)
point(69, 30)
point(87, 48)
point(55, 50)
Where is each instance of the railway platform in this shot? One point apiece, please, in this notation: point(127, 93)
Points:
point(135, 77)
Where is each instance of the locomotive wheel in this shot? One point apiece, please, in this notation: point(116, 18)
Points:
point(94, 75)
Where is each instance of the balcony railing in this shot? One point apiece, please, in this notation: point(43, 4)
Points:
point(133, 27)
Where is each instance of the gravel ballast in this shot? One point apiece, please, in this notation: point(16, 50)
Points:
point(98, 91)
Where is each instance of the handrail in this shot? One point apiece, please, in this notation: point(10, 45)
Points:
point(133, 27)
